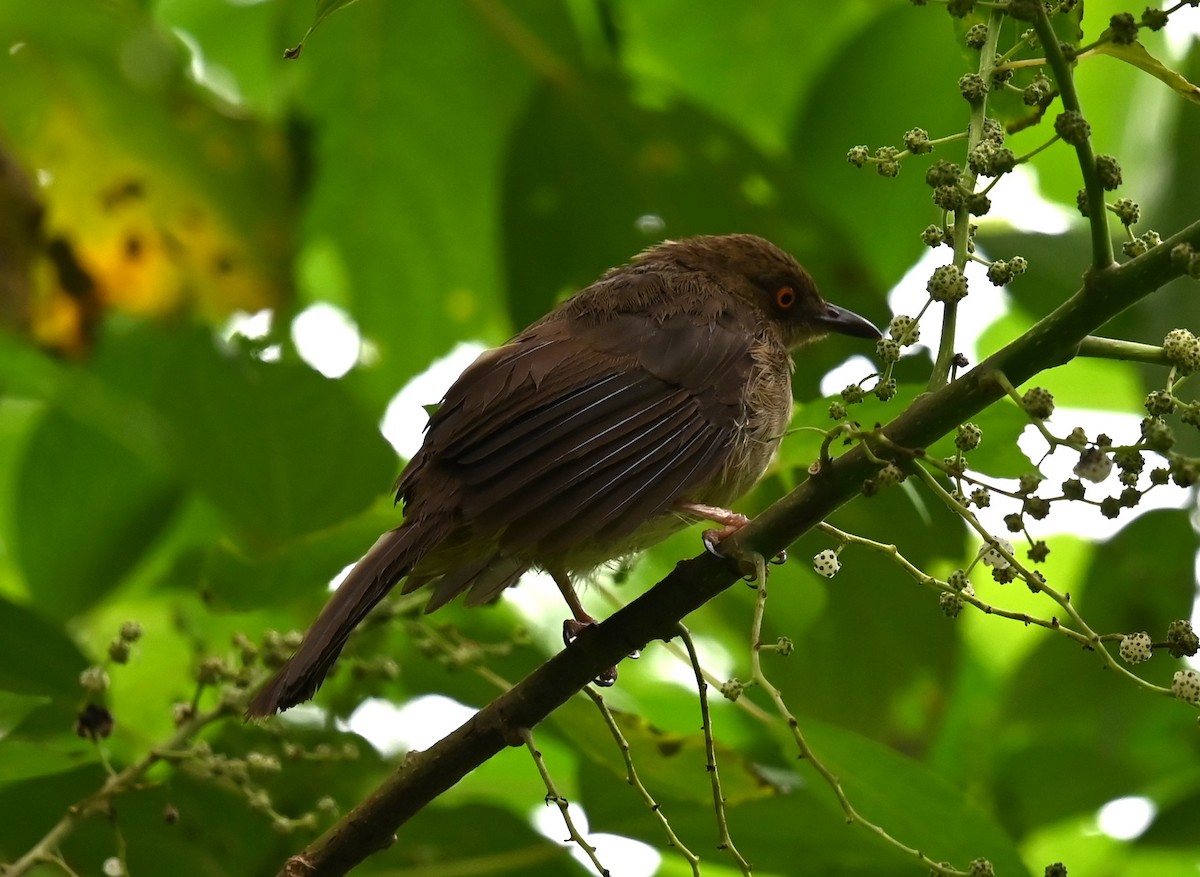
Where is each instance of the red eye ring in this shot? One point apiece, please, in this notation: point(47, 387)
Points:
point(785, 297)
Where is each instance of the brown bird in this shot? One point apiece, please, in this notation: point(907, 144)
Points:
point(649, 400)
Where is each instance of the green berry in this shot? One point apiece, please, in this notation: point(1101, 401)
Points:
point(858, 155)
point(1155, 19)
point(1109, 170)
point(885, 390)
point(1038, 402)
point(977, 36)
point(1160, 403)
point(1072, 489)
point(1072, 127)
point(852, 394)
point(1037, 90)
point(1036, 507)
point(1003, 574)
point(950, 604)
point(947, 284)
point(1184, 472)
point(974, 88)
point(94, 679)
point(1000, 75)
point(1182, 641)
point(949, 197)
point(1157, 435)
point(1038, 552)
point(1124, 29)
point(130, 631)
point(1182, 348)
point(968, 437)
point(978, 203)
point(942, 173)
point(1130, 497)
point(993, 131)
point(887, 350)
point(1127, 211)
point(917, 142)
point(904, 330)
point(1129, 460)
point(118, 651)
point(1028, 482)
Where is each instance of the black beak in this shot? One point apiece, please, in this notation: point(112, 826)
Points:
point(846, 322)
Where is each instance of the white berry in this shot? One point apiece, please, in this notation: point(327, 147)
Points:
point(992, 557)
point(1186, 685)
point(1135, 647)
point(826, 563)
point(1094, 465)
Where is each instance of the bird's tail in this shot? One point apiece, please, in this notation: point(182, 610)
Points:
point(390, 559)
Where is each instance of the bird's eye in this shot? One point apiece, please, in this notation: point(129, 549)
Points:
point(785, 297)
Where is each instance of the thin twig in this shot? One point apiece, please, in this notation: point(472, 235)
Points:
point(726, 841)
point(553, 797)
point(631, 777)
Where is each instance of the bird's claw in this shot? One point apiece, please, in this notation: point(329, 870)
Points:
point(571, 629)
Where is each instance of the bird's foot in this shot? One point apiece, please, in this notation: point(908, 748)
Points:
point(572, 627)
point(730, 523)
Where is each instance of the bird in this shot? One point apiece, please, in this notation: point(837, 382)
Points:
point(648, 401)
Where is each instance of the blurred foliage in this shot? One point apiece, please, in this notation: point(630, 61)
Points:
point(447, 171)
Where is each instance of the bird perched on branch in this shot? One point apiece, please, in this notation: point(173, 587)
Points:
point(651, 399)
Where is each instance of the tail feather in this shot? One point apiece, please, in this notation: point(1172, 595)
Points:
point(390, 559)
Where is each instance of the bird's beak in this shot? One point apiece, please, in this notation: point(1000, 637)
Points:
point(846, 322)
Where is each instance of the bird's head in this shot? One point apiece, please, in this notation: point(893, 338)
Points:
point(773, 280)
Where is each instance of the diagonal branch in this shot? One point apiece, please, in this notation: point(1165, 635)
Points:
point(371, 826)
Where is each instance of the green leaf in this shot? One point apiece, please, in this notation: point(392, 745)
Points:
point(165, 201)
point(670, 763)
point(561, 157)
point(24, 759)
point(997, 455)
point(279, 449)
point(14, 708)
point(87, 509)
point(409, 194)
point(704, 61)
point(880, 218)
point(1135, 53)
point(37, 659)
point(324, 9)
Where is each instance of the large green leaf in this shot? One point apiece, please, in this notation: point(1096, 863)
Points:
point(593, 178)
point(87, 509)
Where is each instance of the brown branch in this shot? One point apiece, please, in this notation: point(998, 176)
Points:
point(371, 826)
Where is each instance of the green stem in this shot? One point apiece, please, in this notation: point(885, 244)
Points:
point(1102, 251)
point(1096, 347)
point(962, 217)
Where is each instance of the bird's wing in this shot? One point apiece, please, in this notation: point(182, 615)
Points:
point(588, 429)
